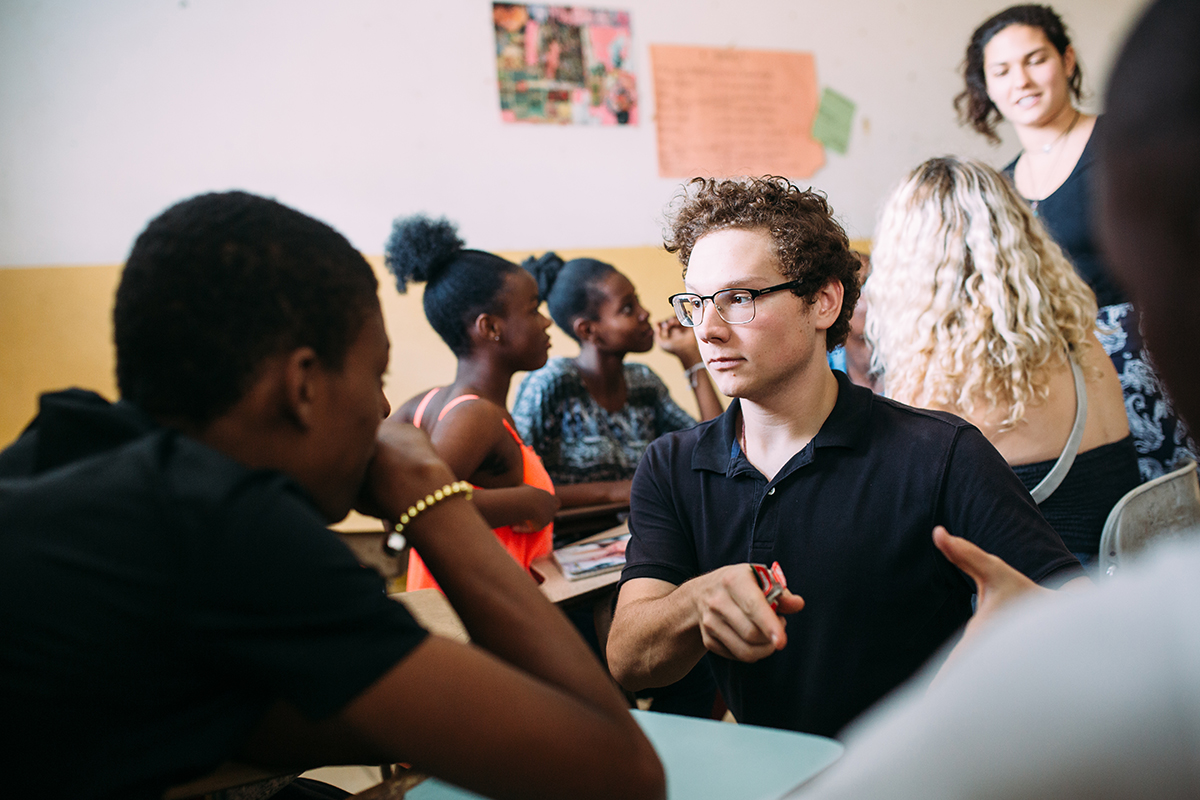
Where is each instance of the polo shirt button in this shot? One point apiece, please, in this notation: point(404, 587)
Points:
point(771, 490)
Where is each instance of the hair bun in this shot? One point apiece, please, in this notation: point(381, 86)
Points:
point(419, 248)
point(545, 271)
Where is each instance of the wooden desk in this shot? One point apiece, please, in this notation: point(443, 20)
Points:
point(364, 536)
point(574, 524)
point(707, 760)
point(561, 591)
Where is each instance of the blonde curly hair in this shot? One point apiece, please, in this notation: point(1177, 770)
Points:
point(970, 300)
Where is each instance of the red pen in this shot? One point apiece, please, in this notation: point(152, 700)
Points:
point(771, 581)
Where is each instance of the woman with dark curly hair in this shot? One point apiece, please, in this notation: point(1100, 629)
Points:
point(1021, 67)
point(486, 309)
point(591, 417)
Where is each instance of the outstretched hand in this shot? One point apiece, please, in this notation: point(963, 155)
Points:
point(997, 584)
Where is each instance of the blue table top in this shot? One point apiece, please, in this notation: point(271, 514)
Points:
point(708, 760)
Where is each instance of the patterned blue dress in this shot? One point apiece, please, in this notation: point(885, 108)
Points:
point(578, 440)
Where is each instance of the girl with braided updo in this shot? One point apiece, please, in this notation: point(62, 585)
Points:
point(591, 417)
point(486, 309)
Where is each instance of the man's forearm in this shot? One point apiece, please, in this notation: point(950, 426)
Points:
point(654, 641)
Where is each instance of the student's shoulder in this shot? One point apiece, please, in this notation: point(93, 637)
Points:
point(472, 410)
point(168, 476)
point(190, 473)
point(894, 413)
point(929, 433)
point(917, 430)
point(408, 409)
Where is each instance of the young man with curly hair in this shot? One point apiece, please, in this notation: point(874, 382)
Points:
point(839, 486)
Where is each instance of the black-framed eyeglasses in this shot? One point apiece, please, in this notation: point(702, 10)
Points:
point(736, 306)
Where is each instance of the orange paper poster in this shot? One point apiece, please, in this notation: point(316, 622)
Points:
point(725, 112)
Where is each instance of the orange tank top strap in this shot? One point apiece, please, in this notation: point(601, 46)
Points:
point(462, 398)
point(420, 413)
point(535, 473)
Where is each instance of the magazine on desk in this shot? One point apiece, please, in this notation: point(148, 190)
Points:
point(593, 558)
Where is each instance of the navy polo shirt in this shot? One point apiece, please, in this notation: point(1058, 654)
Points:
point(850, 519)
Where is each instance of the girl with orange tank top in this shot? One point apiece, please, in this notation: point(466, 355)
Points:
point(522, 545)
point(486, 310)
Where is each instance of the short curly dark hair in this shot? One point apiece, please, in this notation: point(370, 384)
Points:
point(810, 244)
point(973, 105)
point(216, 284)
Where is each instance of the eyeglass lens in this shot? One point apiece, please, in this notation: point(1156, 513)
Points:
point(735, 306)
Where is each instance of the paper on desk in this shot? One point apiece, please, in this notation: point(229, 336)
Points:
point(583, 560)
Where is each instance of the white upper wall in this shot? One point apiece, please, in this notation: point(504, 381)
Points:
point(362, 110)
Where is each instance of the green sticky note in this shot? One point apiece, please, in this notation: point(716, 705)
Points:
point(832, 125)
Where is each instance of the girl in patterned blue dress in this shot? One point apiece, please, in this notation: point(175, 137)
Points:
point(591, 417)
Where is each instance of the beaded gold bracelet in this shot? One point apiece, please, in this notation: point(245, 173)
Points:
point(395, 540)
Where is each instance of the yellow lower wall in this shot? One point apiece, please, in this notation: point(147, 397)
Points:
point(56, 326)
point(56, 329)
point(55, 323)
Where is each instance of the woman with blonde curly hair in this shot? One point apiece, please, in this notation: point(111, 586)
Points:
point(976, 311)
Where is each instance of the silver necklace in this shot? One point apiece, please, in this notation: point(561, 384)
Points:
point(1046, 148)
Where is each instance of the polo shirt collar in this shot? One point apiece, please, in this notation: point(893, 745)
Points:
point(845, 426)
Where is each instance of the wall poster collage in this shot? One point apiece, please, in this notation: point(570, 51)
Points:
point(564, 65)
point(719, 111)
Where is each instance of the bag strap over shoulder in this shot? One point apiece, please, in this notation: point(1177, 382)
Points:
point(1062, 466)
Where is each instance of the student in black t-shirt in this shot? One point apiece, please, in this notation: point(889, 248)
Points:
point(170, 598)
